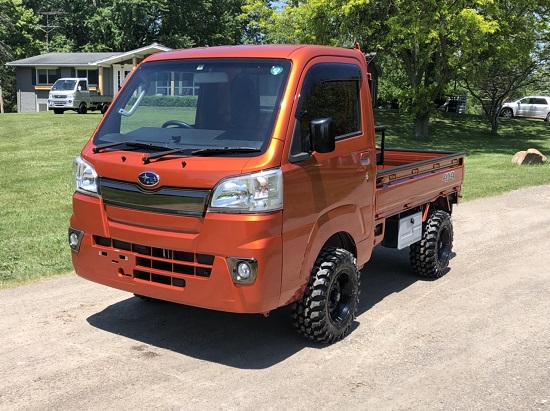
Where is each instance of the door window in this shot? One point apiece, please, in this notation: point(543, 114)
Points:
point(330, 90)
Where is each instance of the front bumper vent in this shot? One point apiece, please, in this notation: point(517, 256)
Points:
point(161, 265)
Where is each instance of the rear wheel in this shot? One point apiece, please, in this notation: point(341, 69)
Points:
point(430, 256)
point(507, 113)
point(104, 108)
point(547, 117)
point(327, 310)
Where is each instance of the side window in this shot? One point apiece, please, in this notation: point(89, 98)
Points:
point(330, 90)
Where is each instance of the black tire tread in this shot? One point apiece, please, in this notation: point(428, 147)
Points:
point(424, 253)
point(309, 314)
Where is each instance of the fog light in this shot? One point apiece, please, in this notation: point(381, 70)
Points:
point(243, 270)
point(75, 238)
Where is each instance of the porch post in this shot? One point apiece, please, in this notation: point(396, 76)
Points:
point(100, 81)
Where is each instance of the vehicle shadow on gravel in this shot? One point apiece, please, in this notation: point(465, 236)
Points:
point(241, 341)
point(387, 272)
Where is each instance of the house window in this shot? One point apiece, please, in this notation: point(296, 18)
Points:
point(163, 84)
point(46, 76)
point(183, 83)
point(91, 75)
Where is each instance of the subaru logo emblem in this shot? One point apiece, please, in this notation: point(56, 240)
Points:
point(148, 179)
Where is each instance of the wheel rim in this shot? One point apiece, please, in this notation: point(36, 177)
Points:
point(340, 298)
point(444, 246)
point(507, 113)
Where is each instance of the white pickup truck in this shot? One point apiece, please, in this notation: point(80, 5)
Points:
point(71, 93)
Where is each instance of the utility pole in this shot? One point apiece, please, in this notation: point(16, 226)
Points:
point(49, 28)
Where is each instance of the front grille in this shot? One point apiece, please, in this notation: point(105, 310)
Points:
point(161, 265)
point(168, 200)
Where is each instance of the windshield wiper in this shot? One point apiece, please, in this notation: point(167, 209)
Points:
point(147, 159)
point(224, 150)
point(130, 143)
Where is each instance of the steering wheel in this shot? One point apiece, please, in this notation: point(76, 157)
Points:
point(176, 123)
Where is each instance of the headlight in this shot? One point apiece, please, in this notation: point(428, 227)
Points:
point(70, 96)
point(85, 177)
point(249, 193)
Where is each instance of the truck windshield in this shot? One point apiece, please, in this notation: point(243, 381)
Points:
point(192, 105)
point(62, 84)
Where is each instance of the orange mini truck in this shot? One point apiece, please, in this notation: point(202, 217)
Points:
point(247, 178)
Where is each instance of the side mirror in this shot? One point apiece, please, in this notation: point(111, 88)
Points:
point(322, 134)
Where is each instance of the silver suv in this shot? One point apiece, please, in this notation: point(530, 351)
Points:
point(531, 106)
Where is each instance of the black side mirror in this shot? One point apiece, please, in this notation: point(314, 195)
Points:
point(323, 136)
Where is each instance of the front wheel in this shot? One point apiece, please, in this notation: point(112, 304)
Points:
point(430, 256)
point(82, 109)
point(547, 117)
point(58, 111)
point(327, 310)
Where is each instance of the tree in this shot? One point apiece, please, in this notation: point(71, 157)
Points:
point(18, 39)
point(515, 56)
point(427, 38)
point(123, 25)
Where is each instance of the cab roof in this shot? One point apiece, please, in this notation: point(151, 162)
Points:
point(290, 52)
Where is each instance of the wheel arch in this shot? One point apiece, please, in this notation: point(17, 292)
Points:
point(341, 228)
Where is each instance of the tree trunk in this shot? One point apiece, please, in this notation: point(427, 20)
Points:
point(494, 124)
point(1, 101)
point(421, 126)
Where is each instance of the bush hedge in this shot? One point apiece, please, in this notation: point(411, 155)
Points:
point(167, 101)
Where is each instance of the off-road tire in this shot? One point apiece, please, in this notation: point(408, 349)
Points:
point(430, 256)
point(327, 310)
point(82, 109)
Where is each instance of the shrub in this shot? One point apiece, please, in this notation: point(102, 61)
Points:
point(167, 101)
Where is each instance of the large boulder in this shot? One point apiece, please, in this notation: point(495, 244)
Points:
point(528, 157)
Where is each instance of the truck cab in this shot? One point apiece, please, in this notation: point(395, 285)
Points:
point(253, 183)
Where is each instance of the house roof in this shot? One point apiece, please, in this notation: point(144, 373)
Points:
point(85, 59)
point(62, 59)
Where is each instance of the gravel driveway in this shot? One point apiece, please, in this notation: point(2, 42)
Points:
point(476, 339)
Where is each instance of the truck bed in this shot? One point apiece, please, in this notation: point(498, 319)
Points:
point(408, 178)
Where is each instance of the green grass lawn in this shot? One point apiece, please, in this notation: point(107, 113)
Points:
point(36, 153)
point(489, 170)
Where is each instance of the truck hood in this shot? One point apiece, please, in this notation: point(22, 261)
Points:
point(173, 171)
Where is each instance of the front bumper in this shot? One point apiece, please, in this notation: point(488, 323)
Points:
point(52, 103)
point(180, 259)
